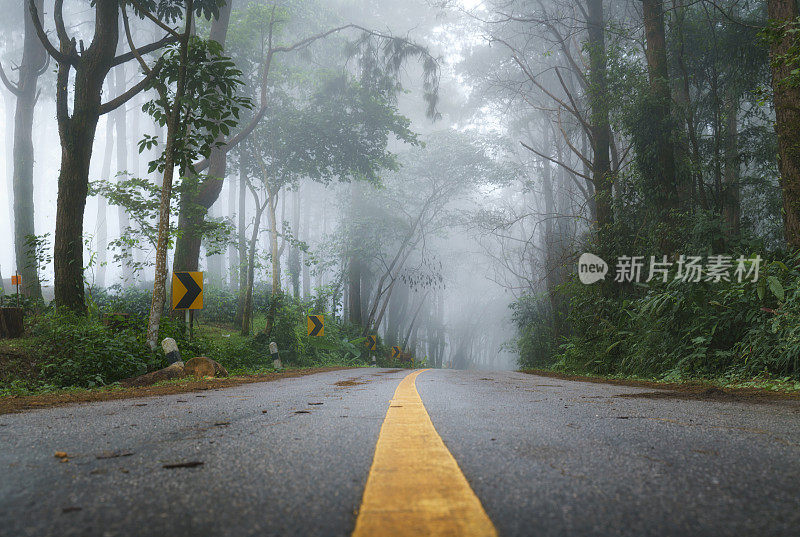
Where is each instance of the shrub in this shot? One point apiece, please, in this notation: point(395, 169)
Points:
point(81, 351)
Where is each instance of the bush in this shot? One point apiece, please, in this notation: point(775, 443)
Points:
point(81, 351)
point(121, 299)
point(219, 305)
point(677, 329)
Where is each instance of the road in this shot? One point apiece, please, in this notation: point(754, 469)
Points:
point(521, 455)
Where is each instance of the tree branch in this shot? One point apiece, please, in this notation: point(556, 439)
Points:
point(13, 88)
point(48, 46)
point(146, 49)
point(123, 98)
point(554, 161)
point(155, 19)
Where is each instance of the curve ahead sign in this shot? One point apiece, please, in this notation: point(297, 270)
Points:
point(316, 325)
point(187, 290)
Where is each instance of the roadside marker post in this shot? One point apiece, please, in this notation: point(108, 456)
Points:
point(396, 352)
point(372, 342)
point(276, 358)
point(316, 325)
point(16, 279)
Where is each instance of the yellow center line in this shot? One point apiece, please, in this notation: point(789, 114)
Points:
point(415, 486)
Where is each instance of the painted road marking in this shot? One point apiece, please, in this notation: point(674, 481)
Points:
point(415, 486)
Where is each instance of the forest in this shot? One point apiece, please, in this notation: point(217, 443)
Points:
point(432, 172)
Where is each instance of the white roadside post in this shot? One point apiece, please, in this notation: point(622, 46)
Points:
point(276, 359)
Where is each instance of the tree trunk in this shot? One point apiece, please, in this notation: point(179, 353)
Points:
point(731, 197)
point(247, 310)
point(661, 95)
point(306, 233)
point(34, 58)
point(787, 121)
point(173, 124)
point(354, 263)
point(120, 120)
point(551, 255)
point(76, 133)
point(243, 279)
point(135, 170)
point(12, 322)
point(662, 171)
point(102, 206)
point(10, 101)
point(601, 131)
point(233, 252)
point(272, 202)
point(195, 205)
point(294, 254)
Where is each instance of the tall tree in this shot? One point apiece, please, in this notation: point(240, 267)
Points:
point(195, 202)
point(600, 127)
point(196, 101)
point(388, 51)
point(121, 125)
point(663, 173)
point(88, 67)
point(33, 65)
point(787, 112)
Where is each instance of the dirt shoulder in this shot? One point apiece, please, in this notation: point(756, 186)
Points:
point(691, 390)
point(14, 404)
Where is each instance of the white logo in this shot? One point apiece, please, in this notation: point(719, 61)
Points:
point(591, 268)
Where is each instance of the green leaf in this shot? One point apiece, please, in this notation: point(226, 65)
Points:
point(776, 287)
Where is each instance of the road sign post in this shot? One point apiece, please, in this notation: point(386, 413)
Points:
point(316, 325)
point(371, 342)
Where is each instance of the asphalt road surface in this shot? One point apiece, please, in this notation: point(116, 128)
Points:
point(292, 457)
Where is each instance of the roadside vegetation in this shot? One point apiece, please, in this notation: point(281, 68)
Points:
point(61, 350)
point(665, 134)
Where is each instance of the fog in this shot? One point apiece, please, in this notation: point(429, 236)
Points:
point(499, 141)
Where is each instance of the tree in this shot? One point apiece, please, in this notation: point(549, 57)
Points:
point(339, 132)
point(77, 128)
point(33, 65)
point(785, 56)
point(388, 52)
point(197, 100)
point(600, 128)
point(663, 173)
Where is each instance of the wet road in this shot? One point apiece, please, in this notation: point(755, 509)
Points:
point(292, 457)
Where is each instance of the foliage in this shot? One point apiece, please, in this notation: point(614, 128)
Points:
point(140, 199)
point(81, 351)
point(210, 103)
point(678, 329)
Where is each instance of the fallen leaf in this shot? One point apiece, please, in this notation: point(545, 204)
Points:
point(302, 412)
point(70, 509)
point(61, 454)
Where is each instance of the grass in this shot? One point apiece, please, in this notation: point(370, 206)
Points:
point(783, 385)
